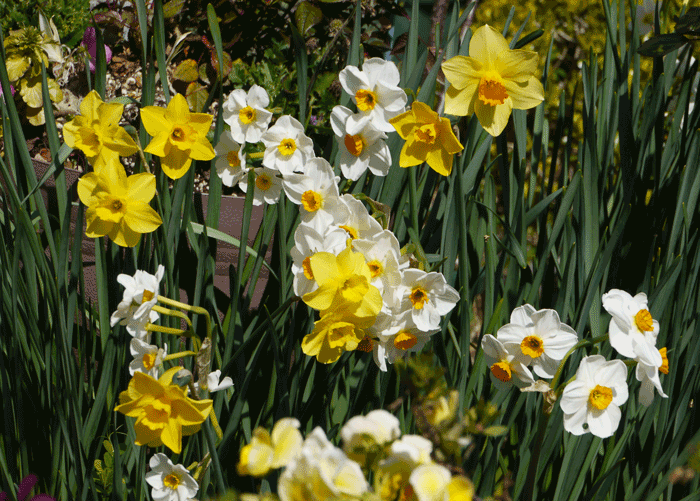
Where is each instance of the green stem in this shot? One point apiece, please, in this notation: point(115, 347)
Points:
point(172, 313)
point(193, 309)
point(169, 330)
point(580, 344)
point(216, 465)
point(413, 197)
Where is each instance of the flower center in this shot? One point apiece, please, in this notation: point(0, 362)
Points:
point(263, 182)
point(404, 340)
point(366, 99)
point(354, 288)
point(501, 370)
point(351, 231)
point(355, 144)
point(306, 265)
point(366, 344)
point(339, 333)
point(149, 360)
point(418, 297)
point(600, 397)
point(117, 205)
point(247, 115)
point(287, 147)
point(172, 481)
point(147, 296)
point(312, 201)
point(492, 91)
point(664, 361)
point(532, 346)
point(427, 133)
point(644, 321)
point(232, 159)
point(177, 134)
point(375, 268)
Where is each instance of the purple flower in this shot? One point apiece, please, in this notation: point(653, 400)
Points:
point(25, 487)
point(12, 89)
point(90, 43)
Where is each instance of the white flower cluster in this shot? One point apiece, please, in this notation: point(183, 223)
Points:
point(591, 402)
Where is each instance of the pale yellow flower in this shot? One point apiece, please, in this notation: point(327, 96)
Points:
point(492, 81)
point(266, 452)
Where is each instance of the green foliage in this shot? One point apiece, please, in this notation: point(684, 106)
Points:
point(70, 16)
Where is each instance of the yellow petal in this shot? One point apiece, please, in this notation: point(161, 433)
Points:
point(153, 119)
point(517, 65)
point(178, 111)
point(440, 161)
point(462, 71)
point(486, 45)
point(287, 442)
point(141, 218)
point(412, 153)
point(120, 142)
point(423, 113)
point(141, 186)
point(461, 102)
point(146, 436)
point(176, 163)
point(448, 140)
point(493, 118)
point(525, 95)
point(98, 228)
point(186, 413)
point(404, 123)
point(202, 150)
point(172, 436)
point(89, 106)
point(200, 122)
point(86, 186)
point(160, 145)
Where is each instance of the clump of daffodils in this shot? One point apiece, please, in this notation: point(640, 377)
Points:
point(314, 468)
point(591, 400)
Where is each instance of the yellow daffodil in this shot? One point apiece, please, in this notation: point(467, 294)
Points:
point(492, 80)
point(266, 452)
point(178, 135)
point(343, 285)
point(96, 132)
point(429, 138)
point(335, 333)
point(117, 206)
point(162, 410)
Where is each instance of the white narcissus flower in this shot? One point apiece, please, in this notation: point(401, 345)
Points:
point(541, 336)
point(170, 482)
point(268, 186)
point(287, 149)
point(427, 296)
point(649, 362)
point(382, 254)
point(317, 195)
point(307, 242)
point(361, 145)
point(266, 451)
point(213, 383)
point(595, 397)
point(136, 307)
point(400, 337)
point(505, 362)
point(246, 114)
point(375, 91)
point(359, 223)
point(630, 320)
point(378, 425)
point(147, 357)
point(230, 160)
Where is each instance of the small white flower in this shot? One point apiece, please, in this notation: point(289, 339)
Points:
point(595, 396)
point(381, 426)
point(213, 383)
point(400, 337)
point(246, 114)
point(382, 254)
point(359, 223)
point(375, 91)
point(541, 336)
point(307, 242)
point(230, 160)
point(140, 295)
point(505, 362)
point(649, 361)
point(361, 145)
point(287, 149)
point(170, 482)
point(268, 186)
point(147, 357)
point(630, 320)
point(317, 195)
point(427, 296)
